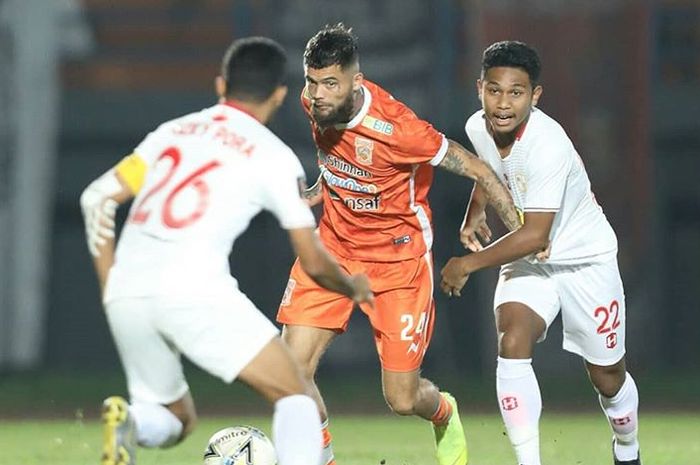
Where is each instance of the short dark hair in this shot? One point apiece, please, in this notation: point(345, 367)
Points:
point(512, 54)
point(253, 68)
point(332, 45)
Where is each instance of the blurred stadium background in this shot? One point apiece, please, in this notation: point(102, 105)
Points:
point(82, 82)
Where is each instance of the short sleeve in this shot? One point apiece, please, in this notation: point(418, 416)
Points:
point(283, 184)
point(152, 145)
point(417, 141)
point(546, 177)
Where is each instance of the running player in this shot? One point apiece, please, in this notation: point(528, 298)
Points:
point(534, 156)
point(198, 180)
point(376, 159)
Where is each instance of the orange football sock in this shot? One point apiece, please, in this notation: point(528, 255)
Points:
point(443, 413)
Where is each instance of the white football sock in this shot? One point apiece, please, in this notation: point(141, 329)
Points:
point(621, 410)
point(296, 429)
point(156, 426)
point(521, 404)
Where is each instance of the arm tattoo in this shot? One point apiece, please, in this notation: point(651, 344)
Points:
point(312, 191)
point(464, 163)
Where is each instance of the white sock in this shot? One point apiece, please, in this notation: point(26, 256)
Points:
point(156, 426)
point(521, 404)
point(296, 429)
point(621, 410)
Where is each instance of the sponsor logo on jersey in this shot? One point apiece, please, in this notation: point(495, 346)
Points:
point(362, 203)
point(347, 183)
point(378, 125)
point(341, 165)
point(363, 150)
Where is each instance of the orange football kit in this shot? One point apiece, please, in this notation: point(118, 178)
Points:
point(376, 170)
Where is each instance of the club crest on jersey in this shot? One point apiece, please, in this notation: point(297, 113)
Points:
point(378, 125)
point(363, 150)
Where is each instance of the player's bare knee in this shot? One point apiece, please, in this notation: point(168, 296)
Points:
point(607, 380)
point(400, 404)
point(515, 344)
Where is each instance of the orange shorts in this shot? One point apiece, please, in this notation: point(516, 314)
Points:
point(403, 313)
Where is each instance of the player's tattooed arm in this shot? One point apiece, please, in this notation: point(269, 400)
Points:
point(460, 161)
point(314, 195)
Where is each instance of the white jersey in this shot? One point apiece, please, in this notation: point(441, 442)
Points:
point(544, 173)
point(209, 173)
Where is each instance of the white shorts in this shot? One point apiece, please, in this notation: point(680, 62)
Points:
point(221, 333)
point(591, 299)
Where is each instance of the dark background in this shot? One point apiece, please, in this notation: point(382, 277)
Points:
point(622, 77)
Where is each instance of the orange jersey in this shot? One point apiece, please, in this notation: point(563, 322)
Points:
point(377, 172)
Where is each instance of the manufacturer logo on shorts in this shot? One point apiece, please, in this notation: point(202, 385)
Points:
point(363, 150)
point(509, 403)
point(287, 297)
point(611, 340)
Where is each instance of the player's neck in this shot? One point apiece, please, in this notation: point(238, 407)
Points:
point(258, 111)
point(358, 100)
point(505, 140)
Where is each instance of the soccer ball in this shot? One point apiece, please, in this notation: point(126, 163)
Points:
point(240, 445)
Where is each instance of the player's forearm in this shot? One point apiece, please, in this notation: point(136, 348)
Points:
point(460, 161)
point(103, 263)
point(513, 246)
point(314, 194)
point(477, 202)
point(324, 270)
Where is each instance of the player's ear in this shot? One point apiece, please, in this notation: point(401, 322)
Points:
point(279, 95)
point(536, 93)
point(478, 88)
point(357, 81)
point(220, 86)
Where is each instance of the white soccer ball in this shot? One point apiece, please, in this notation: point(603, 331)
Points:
point(240, 445)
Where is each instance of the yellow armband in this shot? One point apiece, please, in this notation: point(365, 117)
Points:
point(132, 171)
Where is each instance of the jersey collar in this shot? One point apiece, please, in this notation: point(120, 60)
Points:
point(230, 103)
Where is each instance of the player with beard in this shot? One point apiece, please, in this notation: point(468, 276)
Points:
point(376, 159)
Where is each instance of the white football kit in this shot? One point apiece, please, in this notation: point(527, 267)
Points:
point(544, 173)
point(170, 290)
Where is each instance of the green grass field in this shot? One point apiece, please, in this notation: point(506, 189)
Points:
point(567, 439)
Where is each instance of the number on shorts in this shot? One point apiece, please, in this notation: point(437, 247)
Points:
point(605, 312)
point(194, 180)
point(407, 321)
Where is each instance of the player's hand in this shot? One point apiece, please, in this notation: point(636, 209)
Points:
point(454, 276)
point(543, 255)
point(99, 213)
point(363, 293)
point(474, 227)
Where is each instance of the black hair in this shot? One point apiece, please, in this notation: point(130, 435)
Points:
point(253, 68)
point(512, 54)
point(332, 45)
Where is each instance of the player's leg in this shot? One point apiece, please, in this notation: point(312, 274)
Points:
point(403, 318)
point(619, 399)
point(594, 319)
point(312, 317)
point(307, 345)
point(526, 304)
point(230, 338)
point(161, 412)
point(296, 423)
